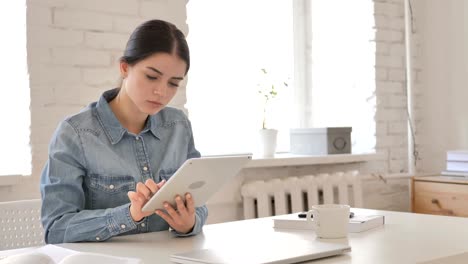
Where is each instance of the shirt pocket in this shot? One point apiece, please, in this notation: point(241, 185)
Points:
point(109, 191)
point(166, 174)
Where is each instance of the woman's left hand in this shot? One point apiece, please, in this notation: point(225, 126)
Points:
point(183, 219)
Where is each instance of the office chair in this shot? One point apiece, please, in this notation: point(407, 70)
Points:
point(20, 224)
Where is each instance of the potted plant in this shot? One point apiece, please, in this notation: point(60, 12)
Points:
point(268, 90)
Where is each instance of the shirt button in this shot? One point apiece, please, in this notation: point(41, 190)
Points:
point(98, 238)
point(123, 226)
point(111, 186)
point(137, 138)
point(142, 224)
point(145, 168)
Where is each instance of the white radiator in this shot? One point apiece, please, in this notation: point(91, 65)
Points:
point(298, 194)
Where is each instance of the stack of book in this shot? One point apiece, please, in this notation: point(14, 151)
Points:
point(457, 163)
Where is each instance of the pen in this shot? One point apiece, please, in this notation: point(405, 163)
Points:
point(303, 215)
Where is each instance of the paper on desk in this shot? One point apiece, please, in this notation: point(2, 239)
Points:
point(60, 255)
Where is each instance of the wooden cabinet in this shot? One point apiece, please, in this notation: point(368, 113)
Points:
point(442, 195)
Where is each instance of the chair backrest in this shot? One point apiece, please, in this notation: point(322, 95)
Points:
point(20, 224)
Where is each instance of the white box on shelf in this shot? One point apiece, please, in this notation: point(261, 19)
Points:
point(457, 166)
point(459, 174)
point(320, 141)
point(358, 223)
point(457, 155)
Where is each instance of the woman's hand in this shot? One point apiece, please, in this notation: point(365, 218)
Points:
point(139, 198)
point(183, 219)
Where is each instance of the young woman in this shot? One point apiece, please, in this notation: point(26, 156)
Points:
point(106, 161)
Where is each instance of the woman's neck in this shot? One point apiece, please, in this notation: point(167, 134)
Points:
point(127, 113)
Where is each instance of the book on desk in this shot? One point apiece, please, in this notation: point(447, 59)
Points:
point(51, 254)
point(358, 223)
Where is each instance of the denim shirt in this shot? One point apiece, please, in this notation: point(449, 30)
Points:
point(93, 162)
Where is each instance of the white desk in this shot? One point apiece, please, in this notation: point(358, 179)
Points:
point(405, 238)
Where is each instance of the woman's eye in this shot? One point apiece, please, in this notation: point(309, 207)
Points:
point(174, 84)
point(151, 77)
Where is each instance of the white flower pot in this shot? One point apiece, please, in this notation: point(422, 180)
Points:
point(267, 141)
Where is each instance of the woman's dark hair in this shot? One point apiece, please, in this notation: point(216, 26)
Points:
point(156, 36)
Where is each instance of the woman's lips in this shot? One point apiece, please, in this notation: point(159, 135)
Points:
point(155, 104)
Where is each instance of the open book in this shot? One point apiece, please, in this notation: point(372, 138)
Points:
point(357, 223)
point(51, 254)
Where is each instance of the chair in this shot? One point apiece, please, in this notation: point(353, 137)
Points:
point(20, 224)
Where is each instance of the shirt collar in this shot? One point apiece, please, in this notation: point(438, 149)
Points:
point(152, 125)
point(111, 124)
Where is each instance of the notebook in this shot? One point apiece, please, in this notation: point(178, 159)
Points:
point(286, 251)
point(357, 224)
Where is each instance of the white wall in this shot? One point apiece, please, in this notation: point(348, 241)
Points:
point(391, 118)
point(73, 50)
point(444, 53)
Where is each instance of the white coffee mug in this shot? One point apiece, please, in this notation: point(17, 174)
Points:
point(329, 220)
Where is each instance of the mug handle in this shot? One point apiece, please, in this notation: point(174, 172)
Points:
point(309, 219)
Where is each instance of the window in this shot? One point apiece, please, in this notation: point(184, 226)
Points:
point(324, 47)
point(229, 47)
point(15, 154)
point(343, 68)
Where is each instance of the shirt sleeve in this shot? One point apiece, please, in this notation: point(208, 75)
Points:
point(63, 213)
point(201, 213)
point(192, 151)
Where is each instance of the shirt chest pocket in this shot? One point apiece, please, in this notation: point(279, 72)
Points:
point(166, 174)
point(109, 191)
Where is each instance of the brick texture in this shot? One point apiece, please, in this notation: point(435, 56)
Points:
point(391, 115)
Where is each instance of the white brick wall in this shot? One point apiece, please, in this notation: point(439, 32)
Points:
point(123, 7)
point(391, 115)
point(80, 57)
point(105, 40)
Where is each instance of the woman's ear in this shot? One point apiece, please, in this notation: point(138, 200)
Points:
point(123, 69)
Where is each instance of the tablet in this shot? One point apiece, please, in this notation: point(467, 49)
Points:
point(201, 177)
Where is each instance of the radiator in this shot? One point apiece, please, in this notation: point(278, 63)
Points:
point(298, 194)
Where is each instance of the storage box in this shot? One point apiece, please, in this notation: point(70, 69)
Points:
point(320, 141)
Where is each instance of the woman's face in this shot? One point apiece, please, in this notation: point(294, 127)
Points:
point(152, 83)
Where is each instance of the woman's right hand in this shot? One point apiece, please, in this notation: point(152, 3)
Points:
point(139, 198)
